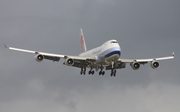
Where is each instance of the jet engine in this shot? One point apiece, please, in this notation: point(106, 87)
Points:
point(154, 64)
point(69, 62)
point(39, 57)
point(135, 65)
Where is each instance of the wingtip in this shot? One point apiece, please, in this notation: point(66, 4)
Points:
point(5, 46)
point(173, 54)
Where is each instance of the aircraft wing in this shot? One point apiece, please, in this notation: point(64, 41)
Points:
point(56, 57)
point(143, 61)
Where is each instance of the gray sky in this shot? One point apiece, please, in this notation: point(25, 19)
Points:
point(143, 28)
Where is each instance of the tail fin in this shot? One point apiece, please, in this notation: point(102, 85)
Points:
point(82, 42)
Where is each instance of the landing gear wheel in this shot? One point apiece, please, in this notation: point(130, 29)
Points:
point(100, 72)
point(89, 72)
point(113, 72)
point(92, 72)
point(103, 73)
point(83, 71)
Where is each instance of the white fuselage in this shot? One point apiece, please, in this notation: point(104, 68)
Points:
point(104, 54)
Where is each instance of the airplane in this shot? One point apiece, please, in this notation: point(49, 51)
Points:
point(106, 56)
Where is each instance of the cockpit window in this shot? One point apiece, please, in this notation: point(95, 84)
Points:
point(113, 41)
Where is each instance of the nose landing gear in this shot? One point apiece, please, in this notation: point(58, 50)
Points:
point(113, 72)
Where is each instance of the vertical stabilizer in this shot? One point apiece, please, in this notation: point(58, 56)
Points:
point(82, 42)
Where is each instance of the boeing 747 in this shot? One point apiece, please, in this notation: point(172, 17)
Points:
point(104, 57)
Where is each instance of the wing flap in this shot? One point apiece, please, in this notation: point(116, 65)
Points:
point(51, 58)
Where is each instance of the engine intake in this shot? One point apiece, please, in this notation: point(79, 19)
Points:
point(135, 65)
point(39, 57)
point(69, 62)
point(154, 64)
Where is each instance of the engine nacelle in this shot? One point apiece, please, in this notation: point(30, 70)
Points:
point(69, 62)
point(39, 57)
point(135, 65)
point(154, 64)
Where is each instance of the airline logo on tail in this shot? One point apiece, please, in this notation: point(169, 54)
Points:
point(82, 42)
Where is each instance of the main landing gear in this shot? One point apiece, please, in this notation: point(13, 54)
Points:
point(83, 71)
point(91, 72)
point(101, 72)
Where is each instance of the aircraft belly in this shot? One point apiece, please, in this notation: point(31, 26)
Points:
point(107, 61)
point(112, 57)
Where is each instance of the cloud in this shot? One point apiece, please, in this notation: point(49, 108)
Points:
point(157, 97)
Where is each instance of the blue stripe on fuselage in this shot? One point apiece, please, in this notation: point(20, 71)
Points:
point(110, 52)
